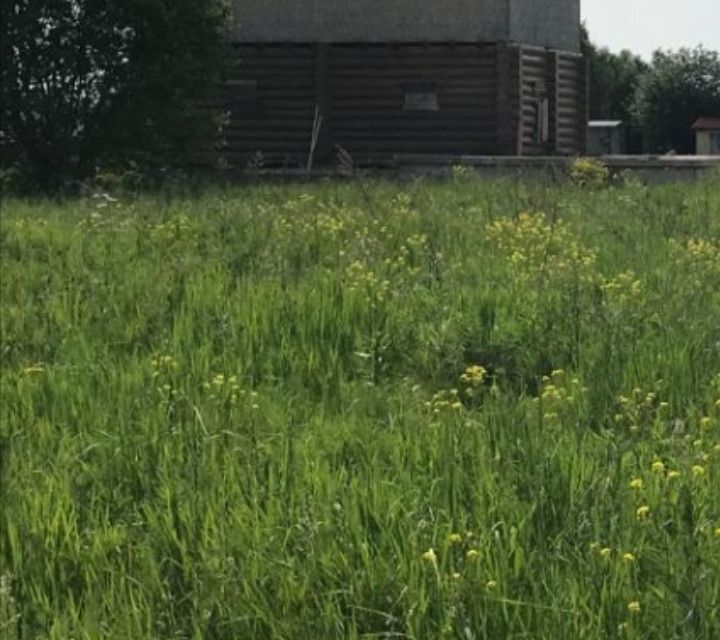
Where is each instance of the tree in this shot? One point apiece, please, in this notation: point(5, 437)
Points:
point(613, 82)
point(614, 79)
point(89, 81)
point(680, 87)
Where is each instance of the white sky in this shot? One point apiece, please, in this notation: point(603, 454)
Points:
point(645, 25)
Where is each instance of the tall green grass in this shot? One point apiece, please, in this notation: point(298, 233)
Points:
point(249, 414)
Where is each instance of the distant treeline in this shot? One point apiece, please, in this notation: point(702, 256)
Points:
point(660, 100)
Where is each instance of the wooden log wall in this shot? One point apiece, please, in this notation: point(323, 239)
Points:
point(487, 99)
point(367, 99)
point(572, 104)
point(268, 103)
point(561, 79)
point(537, 84)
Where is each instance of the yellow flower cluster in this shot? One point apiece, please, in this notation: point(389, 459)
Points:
point(460, 552)
point(638, 409)
point(447, 399)
point(405, 265)
point(589, 173)
point(474, 375)
point(703, 250)
point(537, 246)
point(176, 228)
point(621, 290)
point(360, 278)
point(34, 369)
point(606, 553)
point(224, 388)
point(700, 259)
point(560, 395)
point(163, 364)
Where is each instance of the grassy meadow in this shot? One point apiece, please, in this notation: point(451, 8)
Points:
point(467, 409)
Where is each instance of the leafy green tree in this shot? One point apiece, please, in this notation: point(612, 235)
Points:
point(680, 87)
point(100, 81)
point(614, 81)
point(614, 78)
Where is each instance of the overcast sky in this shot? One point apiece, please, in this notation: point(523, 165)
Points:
point(645, 25)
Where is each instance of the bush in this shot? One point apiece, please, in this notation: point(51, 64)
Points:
point(589, 173)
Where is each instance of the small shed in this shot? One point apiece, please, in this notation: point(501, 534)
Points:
point(607, 137)
point(707, 136)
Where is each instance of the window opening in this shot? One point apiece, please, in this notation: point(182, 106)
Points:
point(421, 96)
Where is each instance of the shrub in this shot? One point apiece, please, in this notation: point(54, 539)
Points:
point(589, 173)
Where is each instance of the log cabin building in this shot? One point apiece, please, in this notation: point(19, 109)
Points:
point(383, 78)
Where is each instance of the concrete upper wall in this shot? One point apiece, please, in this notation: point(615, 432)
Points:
point(546, 23)
point(553, 23)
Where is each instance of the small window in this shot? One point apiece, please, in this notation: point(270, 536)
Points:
point(715, 143)
point(244, 97)
point(421, 96)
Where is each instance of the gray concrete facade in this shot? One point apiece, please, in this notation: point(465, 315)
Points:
point(554, 24)
point(546, 23)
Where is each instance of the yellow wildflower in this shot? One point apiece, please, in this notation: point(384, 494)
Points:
point(717, 532)
point(454, 538)
point(605, 552)
point(35, 368)
point(658, 466)
point(491, 584)
point(430, 556)
point(634, 607)
point(628, 557)
point(636, 483)
point(643, 512)
point(456, 576)
point(705, 423)
point(474, 375)
point(472, 554)
point(673, 474)
point(698, 470)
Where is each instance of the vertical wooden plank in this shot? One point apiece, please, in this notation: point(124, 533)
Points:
point(521, 102)
point(503, 125)
point(508, 113)
point(323, 152)
point(584, 110)
point(555, 105)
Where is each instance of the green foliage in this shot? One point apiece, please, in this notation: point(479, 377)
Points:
point(473, 409)
point(679, 88)
point(614, 79)
point(589, 173)
point(102, 81)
